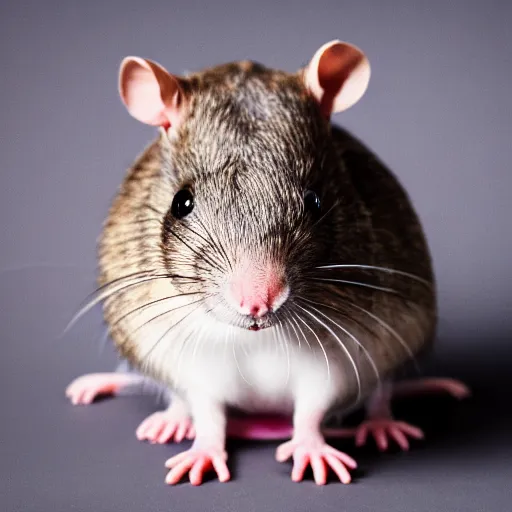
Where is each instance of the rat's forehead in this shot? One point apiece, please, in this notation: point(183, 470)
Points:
point(251, 193)
point(257, 122)
point(264, 155)
point(249, 132)
point(247, 97)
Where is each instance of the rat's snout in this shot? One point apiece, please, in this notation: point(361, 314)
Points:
point(258, 291)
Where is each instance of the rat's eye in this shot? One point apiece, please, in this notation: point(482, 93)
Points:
point(182, 204)
point(311, 202)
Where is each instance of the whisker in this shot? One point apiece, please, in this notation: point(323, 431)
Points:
point(143, 273)
point(293, 317)
point(184, 264)
point(288, 364)
point(104, 340)
point(181, 350)
point(336, 203)
point(356, 371)
point(150, 304)
point(348, 333)
point(188, 332)
point(199, 337)
point(233, 349)
point(160, 315)
point(172, 326)
point(106, 293)
point(389, 329)
point(207, 241)
point(357, 283)
point(217, 244)
point(201, 257)
point(140, 273)
point(226, 340)
point(318, 340)
point(382, 269)
point(288, 324)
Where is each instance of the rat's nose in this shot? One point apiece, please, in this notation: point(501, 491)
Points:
point(258, 293)
point(256, 307)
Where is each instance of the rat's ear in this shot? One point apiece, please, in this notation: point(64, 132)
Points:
point(150, 93)
point(337, 76)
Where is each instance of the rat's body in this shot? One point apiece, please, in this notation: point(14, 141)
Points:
point(256, 257)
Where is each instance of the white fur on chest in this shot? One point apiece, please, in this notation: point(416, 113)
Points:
point(266, 376)
point(255, 371)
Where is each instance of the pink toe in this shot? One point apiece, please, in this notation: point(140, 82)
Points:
point(221, 469)
point(174, 461)
point(198, 470)
point(178, 472)
point(300, 463)
point(88, 397)
point(191, 432)
point(80, 396)
point(319, 470)
point(343, 457)
point(180, 432)
point(380, 437)
point(361, 435)
point(284, 451)
point(338, 467)
point(410, 430)
point(167, 433)
point(399, 437)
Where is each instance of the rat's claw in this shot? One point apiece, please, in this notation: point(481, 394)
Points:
point(384, 429)
point(84, 389)
point(320, 456)
point(197, 462)
point(163, 426)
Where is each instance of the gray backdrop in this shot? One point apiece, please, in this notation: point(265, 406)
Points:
point(438, 111)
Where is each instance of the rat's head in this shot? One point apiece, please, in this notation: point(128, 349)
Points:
point(252, 205)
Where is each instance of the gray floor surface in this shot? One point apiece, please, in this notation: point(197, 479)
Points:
point(437, 110)
point(54, 456)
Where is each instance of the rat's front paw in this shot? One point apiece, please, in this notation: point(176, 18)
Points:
point(319, 455)
point(197, 462)
point(385, 429)
point(163, 426)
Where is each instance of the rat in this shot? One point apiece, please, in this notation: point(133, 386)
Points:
point(259, 258)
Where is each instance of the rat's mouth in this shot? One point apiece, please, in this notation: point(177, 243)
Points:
point(231, 317)
point(257, 324)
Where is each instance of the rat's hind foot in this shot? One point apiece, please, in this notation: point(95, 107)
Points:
point(385, 429)
point(164, 426)
point(453, 387)
point(197, 462)
point(380, 423)
point(84, 389)
point(319, 455)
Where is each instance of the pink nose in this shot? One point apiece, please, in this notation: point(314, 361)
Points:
point(257, 307)
point(257, 296)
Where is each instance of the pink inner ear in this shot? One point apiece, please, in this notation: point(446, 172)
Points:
point(140, 91)
point(335, 67)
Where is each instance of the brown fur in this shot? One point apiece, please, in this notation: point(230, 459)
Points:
point(253, 141)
